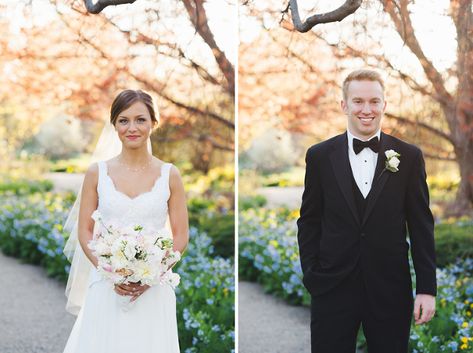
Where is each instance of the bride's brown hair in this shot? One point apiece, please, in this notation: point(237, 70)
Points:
point(126, 98)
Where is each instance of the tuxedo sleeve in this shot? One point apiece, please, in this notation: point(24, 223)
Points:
point(421, 228)
point(309, 222)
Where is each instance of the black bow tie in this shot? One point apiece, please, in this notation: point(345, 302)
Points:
point(359, 145)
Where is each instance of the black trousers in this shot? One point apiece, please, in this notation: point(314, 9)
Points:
point(336, 318)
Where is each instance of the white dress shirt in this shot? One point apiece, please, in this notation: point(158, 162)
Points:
point(363, 164)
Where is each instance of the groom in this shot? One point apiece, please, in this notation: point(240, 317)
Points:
point(365, 191)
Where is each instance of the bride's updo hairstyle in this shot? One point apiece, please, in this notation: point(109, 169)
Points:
point(128, 97)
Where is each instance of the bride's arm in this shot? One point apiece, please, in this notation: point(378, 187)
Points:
point(178, 216)
point(88, 204)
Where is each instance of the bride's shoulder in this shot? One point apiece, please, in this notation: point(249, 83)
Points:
point(159, 163)
point(91, 175)
point(174, 173)
point(92, 171)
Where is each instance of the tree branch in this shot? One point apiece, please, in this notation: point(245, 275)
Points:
point(143, 38)
point(351, 51)
point(212, 141)
point(198, 17)
point(192, 109)
point(349, 7)
point(421, 124)
point(402, 21)
point(97, 7)
point(154, 86)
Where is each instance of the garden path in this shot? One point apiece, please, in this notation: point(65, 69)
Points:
point(290, 197)
point(32, 310)
point(65, 181)
point(269, 325)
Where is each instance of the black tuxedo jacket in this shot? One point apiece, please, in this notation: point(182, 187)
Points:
point(334, 241)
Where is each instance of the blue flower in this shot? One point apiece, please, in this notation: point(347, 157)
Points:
point(453, 345)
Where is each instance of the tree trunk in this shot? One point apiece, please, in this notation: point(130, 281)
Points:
point(463, 119)
point(464, 200)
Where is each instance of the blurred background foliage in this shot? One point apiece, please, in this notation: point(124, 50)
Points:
point(290, 88)
point(62, 67)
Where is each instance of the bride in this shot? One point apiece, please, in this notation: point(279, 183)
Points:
point(131, 188)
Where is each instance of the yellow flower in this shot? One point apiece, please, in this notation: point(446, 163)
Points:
point(464, 339)
point(458, 283)
point(468, 313)
point(294, 214)
point(465, 325)
point(225, 292)
point(466, 302)
point(464, 346)
point(274, 243)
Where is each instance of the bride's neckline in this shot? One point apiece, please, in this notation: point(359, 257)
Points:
point(132, 198)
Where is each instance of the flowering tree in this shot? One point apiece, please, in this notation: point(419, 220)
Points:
point(75, 63)
point(441, 118)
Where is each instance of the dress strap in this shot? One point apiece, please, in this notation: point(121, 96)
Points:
point(102, 173)
point(165, 172)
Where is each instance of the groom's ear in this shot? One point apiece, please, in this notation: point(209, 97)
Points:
point(343, 105)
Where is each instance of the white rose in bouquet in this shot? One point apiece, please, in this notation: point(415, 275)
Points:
point(134, 254)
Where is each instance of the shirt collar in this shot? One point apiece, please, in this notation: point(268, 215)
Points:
point(351, 137)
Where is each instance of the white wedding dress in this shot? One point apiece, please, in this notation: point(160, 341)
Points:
point(149, 325)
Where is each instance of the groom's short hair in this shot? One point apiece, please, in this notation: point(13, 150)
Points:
point(361, 75)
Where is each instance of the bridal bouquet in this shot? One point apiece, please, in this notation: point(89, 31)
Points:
point(134, 254)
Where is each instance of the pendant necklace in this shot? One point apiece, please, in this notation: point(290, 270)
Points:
point(135, 170)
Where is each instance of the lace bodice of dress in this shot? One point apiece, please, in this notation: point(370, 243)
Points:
point(149, 209)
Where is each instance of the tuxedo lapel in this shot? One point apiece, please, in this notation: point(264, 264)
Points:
point(381, 175)
point(342, 170)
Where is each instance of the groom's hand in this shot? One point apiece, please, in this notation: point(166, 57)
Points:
point(424, 308)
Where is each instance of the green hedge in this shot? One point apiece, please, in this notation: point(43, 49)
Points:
point(217, 222)
point(254, 201)
point(453, 240)
point(24, 187)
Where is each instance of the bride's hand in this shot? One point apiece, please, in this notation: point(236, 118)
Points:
point(139, 290)
point(131, 289)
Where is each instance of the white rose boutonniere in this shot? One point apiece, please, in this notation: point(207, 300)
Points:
point(392, 160)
